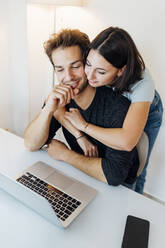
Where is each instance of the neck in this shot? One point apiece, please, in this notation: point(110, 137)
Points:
point(85, 98)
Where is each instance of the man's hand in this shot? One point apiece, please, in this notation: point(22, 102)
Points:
point(76, 118)
point(59, 97)
point(91, 166)
point(58, 150)
point(89, 149)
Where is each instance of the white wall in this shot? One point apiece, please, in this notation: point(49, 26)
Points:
point(5, 90)
point(14, 84)
point(40, 23)
point(155, 184)
point(145, 21)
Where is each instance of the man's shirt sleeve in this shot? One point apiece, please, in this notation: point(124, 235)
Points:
point(120, 166)
point(54, 126)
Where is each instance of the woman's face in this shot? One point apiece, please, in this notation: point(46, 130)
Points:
point(99, 71)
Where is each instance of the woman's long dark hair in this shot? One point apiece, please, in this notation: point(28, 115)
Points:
point(118, 48)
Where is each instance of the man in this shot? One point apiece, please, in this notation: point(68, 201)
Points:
point(101, 106)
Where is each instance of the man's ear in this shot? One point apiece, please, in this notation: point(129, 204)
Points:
point(120, 71)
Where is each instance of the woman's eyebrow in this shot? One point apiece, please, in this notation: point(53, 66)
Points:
point(98, 68)
point(58, 66)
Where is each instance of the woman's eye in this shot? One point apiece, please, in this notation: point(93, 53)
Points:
point(87, 63)
point(59, 70)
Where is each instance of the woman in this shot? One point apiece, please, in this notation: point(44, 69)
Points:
point(114, 60)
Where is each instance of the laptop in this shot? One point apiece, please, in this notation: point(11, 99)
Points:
point(49, 192)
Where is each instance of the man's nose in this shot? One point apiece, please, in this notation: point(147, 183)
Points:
point(69, 75)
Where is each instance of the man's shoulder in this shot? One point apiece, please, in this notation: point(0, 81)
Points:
point(111, 96)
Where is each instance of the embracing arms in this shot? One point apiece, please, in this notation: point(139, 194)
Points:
point(124, 138)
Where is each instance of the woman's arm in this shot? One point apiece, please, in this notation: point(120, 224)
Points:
point(88, 148)
point(124, 138)
point(59, 115)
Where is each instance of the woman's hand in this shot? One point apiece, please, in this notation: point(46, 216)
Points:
point(89, 149)
point(76, 119)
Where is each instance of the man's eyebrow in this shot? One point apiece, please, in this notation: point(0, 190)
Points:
point(74, 62)
point(79, 60)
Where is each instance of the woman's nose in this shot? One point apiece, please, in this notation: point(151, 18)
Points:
point(90, 74)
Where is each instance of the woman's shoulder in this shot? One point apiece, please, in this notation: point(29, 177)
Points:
point(143, 90)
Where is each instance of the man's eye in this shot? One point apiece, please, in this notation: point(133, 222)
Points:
point(75, 66)
point(101, 72)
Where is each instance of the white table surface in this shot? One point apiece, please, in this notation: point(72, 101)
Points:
point(101, 224)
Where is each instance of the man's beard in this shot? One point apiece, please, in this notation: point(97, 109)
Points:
point(83, 87)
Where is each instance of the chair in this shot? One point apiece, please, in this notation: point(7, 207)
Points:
point(142, 148)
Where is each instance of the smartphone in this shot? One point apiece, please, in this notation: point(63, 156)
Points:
point(136, 233)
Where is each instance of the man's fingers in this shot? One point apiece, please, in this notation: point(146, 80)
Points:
point(65, 89)
point(94, 151)
point(86, 153)
point(64, 95)
point(73, 110)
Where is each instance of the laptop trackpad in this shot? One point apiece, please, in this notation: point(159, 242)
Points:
point(59, 180)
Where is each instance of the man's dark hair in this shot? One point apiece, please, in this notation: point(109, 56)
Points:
point(67, 38)
point(118, 48)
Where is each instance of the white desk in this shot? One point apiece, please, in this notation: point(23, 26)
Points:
point(101, 224)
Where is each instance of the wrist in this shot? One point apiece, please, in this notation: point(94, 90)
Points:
point(80, 136)
point(47, 111)
point(85, 127)
point(66, 155)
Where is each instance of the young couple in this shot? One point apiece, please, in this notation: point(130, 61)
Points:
point(101, 124)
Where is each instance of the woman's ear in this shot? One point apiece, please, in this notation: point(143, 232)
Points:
point(120, 71)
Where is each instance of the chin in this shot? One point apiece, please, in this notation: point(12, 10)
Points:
point(95, 85)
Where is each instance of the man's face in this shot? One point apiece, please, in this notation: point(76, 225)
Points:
point(69, 67)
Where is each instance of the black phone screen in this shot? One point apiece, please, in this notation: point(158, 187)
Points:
point(136, 233)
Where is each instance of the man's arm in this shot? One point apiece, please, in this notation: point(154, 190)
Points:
point(37, 132)
point(112, 169)
point(89, 165)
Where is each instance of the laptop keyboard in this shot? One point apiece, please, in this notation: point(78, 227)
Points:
point(63, 204)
